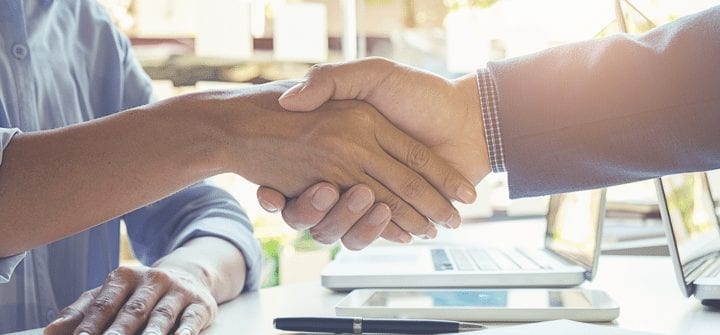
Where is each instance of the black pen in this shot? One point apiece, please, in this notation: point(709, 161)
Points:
point(360, 325)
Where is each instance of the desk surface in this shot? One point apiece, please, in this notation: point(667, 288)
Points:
point(644, 287)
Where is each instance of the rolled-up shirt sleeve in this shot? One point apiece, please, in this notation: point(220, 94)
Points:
point(7, 264)
point(198, 211)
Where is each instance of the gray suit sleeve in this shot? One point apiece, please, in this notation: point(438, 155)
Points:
point(614, 110)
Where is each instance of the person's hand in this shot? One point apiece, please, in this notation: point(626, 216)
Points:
point(315, 210)
point(445, 115)
point(344, 143)
point(140, 299)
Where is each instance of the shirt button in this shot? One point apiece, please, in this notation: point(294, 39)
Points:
point(19, 51)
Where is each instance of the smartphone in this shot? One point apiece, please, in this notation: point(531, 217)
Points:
point(499, 305)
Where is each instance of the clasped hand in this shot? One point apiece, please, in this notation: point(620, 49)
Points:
point(344, 143)
point(442, 114)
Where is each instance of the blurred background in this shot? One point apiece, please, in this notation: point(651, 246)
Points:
point(191, 45)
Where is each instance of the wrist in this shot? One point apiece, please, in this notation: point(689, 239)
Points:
point(215, 263)
point(179, 262)
point(199, 125)
point(466, 88)
point(184, 129)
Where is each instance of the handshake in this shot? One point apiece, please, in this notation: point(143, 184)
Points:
point(385, 149)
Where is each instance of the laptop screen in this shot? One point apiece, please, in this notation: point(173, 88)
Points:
point(693, 221)
point(574, 221)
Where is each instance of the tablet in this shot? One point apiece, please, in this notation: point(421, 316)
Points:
point(501, 305)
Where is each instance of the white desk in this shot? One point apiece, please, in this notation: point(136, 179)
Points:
point(644, 287)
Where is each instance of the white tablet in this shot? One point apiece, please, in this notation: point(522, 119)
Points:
point(500, 305)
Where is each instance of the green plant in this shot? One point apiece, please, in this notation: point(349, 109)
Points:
point(271, 261)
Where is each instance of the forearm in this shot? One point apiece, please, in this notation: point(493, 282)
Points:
point(218, 263)
point(58, 182)
point(612, 111)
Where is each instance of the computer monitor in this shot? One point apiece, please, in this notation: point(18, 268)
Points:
point(687, 207)
point(575, 226)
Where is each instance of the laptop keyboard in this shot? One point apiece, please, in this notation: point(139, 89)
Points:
point(476, 259)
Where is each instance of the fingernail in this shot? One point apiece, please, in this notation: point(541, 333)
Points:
point(378, 216)
point(268, 206)
point(466, 194)
point(293, 91)
point(431, 232)
point(185, 332)
point(360, 200)
point(112, 332)
point(84, 333)
point(406, 238)
point(324, 198)
point(454, 221)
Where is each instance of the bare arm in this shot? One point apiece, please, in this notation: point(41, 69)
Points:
point(56, 183)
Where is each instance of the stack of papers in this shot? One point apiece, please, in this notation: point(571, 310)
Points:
point(558, 327)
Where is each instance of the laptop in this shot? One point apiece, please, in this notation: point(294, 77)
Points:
point(572, 247)
point(693, 233)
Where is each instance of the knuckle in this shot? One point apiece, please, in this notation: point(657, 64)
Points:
point(102, 304)
point(418, 157)
point(164, 311)
point(122, 272)
point(136, 308)
point(191, 315)
point(414, 187)
point(157, 276)
point(397, 207)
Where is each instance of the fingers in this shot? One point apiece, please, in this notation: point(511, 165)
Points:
point(351, 220)
point(444, 177)
point(270, 199)
point(352, 80)
point(308, 209)
point(416, 191)
point(107, 302)
point(394, 233)
point(133, 315)
point(368, 228)
point(194, 319)
point(163, 316)
point(403, 214)
point(71, 316)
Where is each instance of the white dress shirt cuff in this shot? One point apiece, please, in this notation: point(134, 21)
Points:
point(6, 134)
point(8, 265)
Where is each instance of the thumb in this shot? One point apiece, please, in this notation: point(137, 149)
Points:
point(309, 94)
point(351, 80)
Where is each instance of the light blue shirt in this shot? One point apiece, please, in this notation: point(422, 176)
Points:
point(62, 62)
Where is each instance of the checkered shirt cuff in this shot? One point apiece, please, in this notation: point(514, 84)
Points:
point(491, 119)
